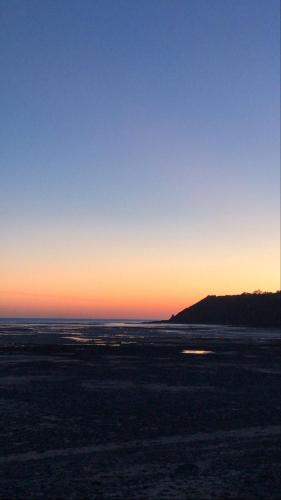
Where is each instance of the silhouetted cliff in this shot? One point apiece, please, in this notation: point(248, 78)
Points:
point(251, 309)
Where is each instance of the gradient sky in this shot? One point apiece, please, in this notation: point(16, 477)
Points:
point(139, 154)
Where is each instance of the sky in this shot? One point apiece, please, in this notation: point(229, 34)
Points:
point(139, 154)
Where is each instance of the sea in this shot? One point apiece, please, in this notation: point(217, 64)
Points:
point(119, 332)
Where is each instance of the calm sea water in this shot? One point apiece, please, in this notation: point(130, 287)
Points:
point(119, 332)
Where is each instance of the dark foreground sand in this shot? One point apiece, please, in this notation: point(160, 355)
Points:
point(122, 413)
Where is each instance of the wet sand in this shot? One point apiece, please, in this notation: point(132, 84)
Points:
point(140, 412)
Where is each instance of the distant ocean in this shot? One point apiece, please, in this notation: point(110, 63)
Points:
point(47, 321)
point(120, 332)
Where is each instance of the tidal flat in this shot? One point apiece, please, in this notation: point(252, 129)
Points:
point(139, 411)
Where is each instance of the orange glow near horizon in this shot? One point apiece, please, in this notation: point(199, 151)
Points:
point(129, 284)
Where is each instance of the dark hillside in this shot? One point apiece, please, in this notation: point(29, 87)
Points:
point(251, 309)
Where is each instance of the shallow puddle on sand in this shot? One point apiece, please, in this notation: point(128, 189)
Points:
point(195, 351)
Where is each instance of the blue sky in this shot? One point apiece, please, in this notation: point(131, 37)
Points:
point(140, 119)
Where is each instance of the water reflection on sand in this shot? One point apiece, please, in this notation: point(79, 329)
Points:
point(195, 351)
point(186, 339)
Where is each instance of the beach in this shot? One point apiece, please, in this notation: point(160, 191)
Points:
point(130, 410)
